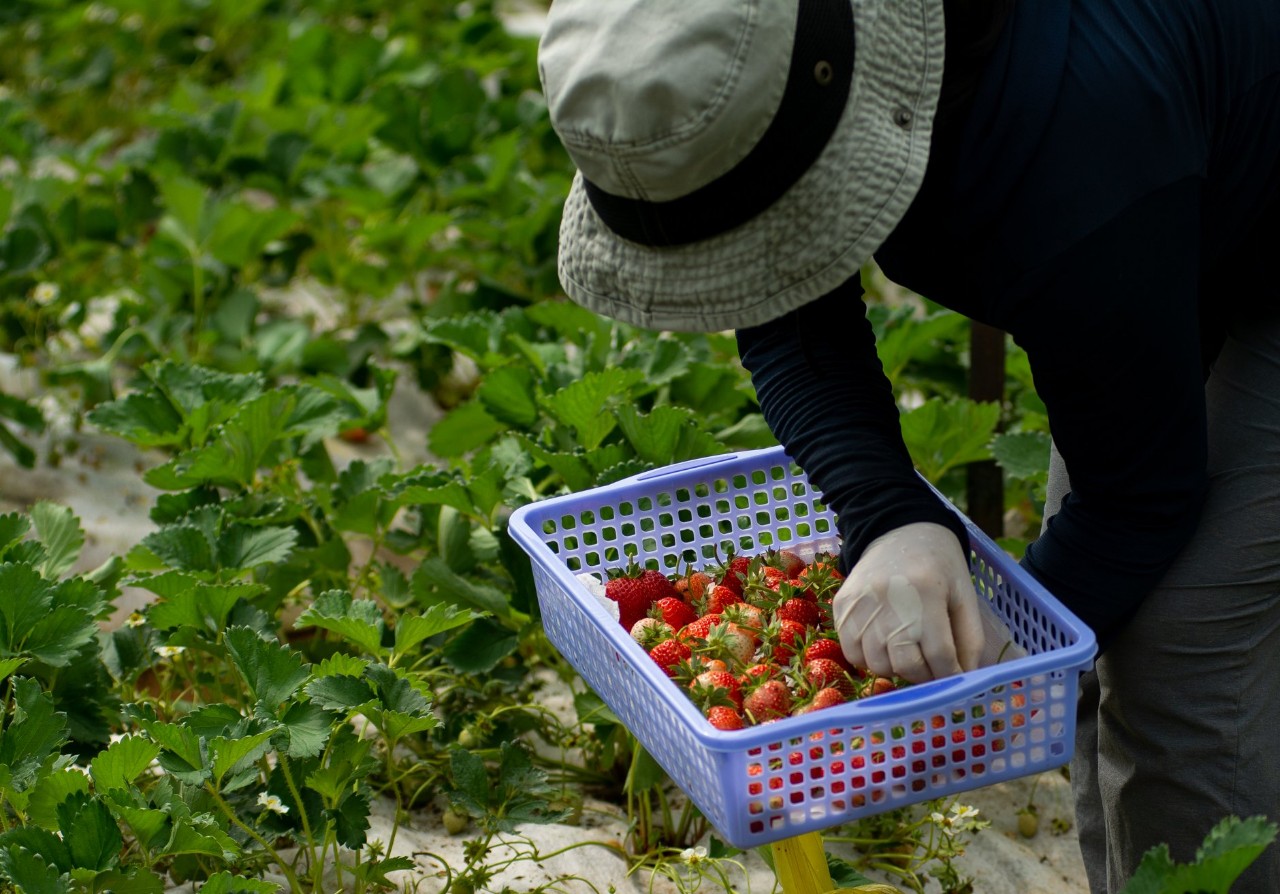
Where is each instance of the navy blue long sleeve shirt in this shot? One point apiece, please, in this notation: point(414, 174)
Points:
point(1114, 187)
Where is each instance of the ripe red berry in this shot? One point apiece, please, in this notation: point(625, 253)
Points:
point(823, 673)
point(724, 717)
point(824, 698)
point(771, 700)
point(636, 591)
point(668, 654)
point(802, 611)
point(674, 611)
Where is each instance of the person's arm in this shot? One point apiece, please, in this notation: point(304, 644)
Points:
point(826, 399)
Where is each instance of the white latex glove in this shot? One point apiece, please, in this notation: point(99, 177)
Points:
point(998, 646)
point(908, 607)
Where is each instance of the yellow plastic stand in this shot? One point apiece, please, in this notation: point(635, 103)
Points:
point(801, 866)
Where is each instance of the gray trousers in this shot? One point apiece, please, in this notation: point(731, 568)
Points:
point(1179, 722)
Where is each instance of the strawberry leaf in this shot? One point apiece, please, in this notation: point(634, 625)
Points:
point(242, 547)
point(122, 762)
point(35, 731)
point(1022, 454)
point(585, 404)
point(271, 671)
point(412, 629)
point(183, 546)
point(90, 831)
point(50, 791)
point(60, 532)
point(359, 621)
point(509, 394)
point(28, 868)
point(309, 727)
point(942, 435)
point(464, 429)
point(145, 419)
point(226, 883)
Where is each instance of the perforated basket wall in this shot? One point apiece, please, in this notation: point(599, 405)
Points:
point(778, 780)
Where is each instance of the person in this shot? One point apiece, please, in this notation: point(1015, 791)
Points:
point(1099, 179)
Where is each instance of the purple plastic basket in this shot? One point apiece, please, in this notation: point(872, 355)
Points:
point(817, 770)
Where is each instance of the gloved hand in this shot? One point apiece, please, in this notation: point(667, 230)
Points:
point(998, 643)
point(908, 607)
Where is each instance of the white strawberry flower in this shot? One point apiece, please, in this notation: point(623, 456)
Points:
point(170, 651)
point(272, 803)
point(46, 293)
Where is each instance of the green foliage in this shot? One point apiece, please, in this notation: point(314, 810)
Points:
point(1228, 850)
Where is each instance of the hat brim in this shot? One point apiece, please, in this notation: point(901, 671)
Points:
point(822, 230)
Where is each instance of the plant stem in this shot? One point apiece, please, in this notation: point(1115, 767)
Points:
point(294, 885)
point(317, 874)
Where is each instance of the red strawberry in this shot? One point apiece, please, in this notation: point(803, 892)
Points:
point(879, 685)
point(674, 611)
point(636, 591)
point(800, 610)
point(724, 717)
point(826, 647)
point(734, 573)
point(719, 597)
point(823, 698)
point(699, 628)
point(823, 673)
point(757, 672)
point(783, 638)
point(668, 654)
point(692, 586)
point(771, 700)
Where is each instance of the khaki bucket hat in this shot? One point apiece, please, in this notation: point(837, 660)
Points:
point(736, 158)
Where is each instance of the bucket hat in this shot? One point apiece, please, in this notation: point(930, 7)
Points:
point(735, 158)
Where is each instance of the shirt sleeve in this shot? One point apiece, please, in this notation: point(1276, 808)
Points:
point(1112, 331)
point(825, 396)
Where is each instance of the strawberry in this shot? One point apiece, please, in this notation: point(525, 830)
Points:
point(699, 628)
point(719, 597)
point(692, 586)
point(878, 686)
point(724, 717)
point(734, 573)
point(799, 610)
point(744, 614)
point(716, 688)
point(674, 611)
point(782, 638)
point(668, 654)
point(756, 673)
point(785, 561)
point(826, 647)
point(636, 591)
point(770, 700)
point(727, 641)
point(823, 673)
point(823, 698)
point(648, 632)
